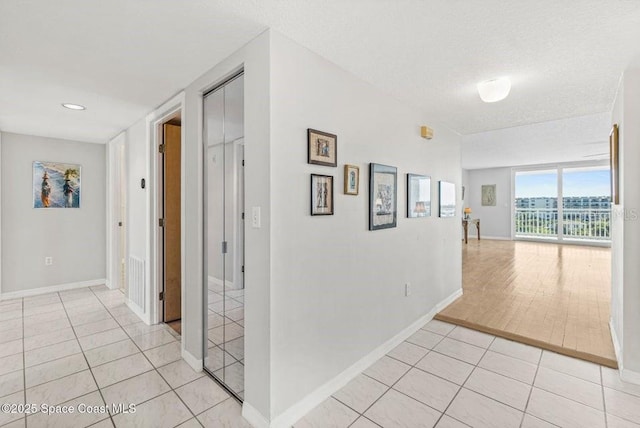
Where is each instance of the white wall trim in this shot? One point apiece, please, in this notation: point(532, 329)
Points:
point(308, 403)
point(253, 416)
point(493, 238)
point(51, 289)
point(153, 121)
point(625, 374)
point(144, 316)
point(617, 348)
point(0, 216)
point(193, 362)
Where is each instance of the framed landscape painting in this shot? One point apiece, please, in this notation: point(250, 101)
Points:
point(383, 196)
point(56, 185)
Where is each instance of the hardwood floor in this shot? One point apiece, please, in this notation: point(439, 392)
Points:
point(556, 297)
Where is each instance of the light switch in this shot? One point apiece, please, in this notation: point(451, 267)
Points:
point(255, 217)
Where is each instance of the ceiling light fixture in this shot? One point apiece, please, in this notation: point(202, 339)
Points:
point(494, 90)
point(71, 106)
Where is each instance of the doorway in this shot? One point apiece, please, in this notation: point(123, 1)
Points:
point(224, 225)
point(170, 223)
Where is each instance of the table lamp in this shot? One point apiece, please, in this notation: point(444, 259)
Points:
point(467, 211)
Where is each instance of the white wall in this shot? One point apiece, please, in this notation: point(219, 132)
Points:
point(337, 289)
point(75, 238)
point(625, 306)
point(495, 222)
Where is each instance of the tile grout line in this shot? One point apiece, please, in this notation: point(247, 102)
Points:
point(526, 406)
point(89, 366)
point(154, 368)
point(465, 381)
point(604, 401)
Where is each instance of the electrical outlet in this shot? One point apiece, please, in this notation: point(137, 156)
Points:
point(48, 261)
point(407, 289)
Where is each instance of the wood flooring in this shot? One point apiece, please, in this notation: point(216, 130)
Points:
point(556, 297)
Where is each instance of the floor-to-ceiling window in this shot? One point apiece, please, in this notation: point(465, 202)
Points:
point(563, 203)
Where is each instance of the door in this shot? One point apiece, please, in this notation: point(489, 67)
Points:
point(172, 222)
point(224, 226)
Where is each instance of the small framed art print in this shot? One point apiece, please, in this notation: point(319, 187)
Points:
point(321, 194)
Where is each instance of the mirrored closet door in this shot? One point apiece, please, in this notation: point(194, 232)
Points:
point(224, 228)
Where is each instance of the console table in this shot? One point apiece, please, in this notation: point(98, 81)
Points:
point(465, 226)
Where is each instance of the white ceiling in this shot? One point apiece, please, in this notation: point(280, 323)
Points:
point(122, 58)
point(584, 138)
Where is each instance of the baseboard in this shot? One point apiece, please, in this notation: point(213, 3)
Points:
point(616, 344)
point(52, 289)
point(145, 317)
point(193, 362)
point(496, 238)
point(311, 401)
point(625, 374)
point(253, 416)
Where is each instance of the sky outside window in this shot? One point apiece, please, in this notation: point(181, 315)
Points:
point(593, 181)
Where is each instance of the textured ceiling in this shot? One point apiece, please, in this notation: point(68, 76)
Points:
point(122, 58)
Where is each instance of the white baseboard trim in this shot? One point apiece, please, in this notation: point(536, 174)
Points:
point(52, 289)
point(449, 300)
point(308, 403)
point(625, 374)
point(495, 238)
point(195, 363)
point(145, 317)
point(617, 349)
point(253, 416)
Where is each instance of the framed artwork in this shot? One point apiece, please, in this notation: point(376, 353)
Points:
point(447, 199)
point(383, 196)
point(56, 185)
point(615, 168)
point(418, 196)
point(321, 194)
point(351, 179)
point(322, 148)
point(489, 195)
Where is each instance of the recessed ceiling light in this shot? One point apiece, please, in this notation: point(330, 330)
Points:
point(73, 106)
point(494, 90)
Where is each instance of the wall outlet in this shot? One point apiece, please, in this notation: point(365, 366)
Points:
point(48, 261)
point(407, 289)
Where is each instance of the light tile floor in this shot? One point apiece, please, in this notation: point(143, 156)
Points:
point(86, 347)
point(448, 377)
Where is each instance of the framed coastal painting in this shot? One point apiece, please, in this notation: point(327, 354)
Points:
point(322, 148)
point(351, 179)
point(447, 199)
point(56, 185)
point(383, 196)
point(418, 196)
point(321, 194)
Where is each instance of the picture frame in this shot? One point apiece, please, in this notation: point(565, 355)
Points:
point(488, 195)
point(447, 199)
point(56, 185)
point(322, 148)
point(614, 151)
point(418, 196)
point(321, 195)
point(383, 196)
point(351, 179)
